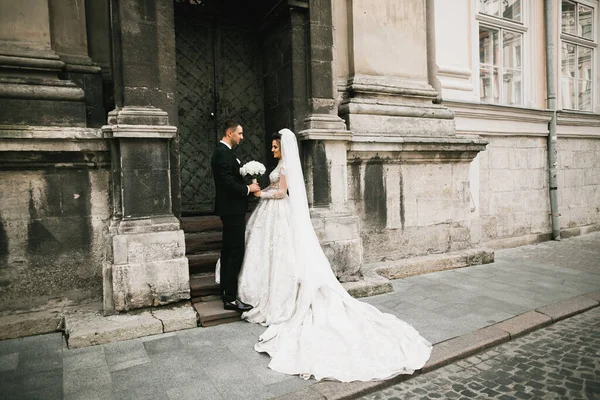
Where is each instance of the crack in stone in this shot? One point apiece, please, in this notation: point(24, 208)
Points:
point(158, 319)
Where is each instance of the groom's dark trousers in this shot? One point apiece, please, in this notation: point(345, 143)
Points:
point(231, 203)
point(232, 254)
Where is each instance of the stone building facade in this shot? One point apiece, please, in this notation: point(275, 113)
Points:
point(426, 127)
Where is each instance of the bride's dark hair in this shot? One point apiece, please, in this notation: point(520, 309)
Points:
point(276, 136)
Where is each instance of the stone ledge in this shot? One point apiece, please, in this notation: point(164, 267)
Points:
point(371, 285)
point(595, 295)
point(524, 323)
point(432, 263)
point(580, 230)
point(463, 346)
point(518, 241)
point(29, 324)
point(567, 308)
point(534, 238)
point(89, 327)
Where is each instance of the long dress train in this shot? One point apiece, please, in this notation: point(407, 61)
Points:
point(315, 328)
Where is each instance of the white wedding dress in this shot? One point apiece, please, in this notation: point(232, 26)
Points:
point(268, 279)
point(315, 328)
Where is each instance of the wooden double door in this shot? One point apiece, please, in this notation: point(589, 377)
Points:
point(219, 77)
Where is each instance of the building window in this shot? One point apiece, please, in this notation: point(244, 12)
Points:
point(577, 55)
point(507, 9)
point(501, 51)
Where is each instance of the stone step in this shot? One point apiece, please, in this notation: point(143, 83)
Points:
point(212, 313)
point(210, 297)
point(206, 223)
point(202, 242)
point(204, 285)
point(203, 262)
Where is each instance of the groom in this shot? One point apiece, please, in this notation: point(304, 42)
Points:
point(231, 203)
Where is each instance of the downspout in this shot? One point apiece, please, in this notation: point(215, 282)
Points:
point(432, 67)
point(549, 16)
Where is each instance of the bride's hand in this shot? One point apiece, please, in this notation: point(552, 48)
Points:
point(257, 194)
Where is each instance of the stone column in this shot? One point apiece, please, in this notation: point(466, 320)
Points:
point(99, 42)
point(324, 145)
point(388, 91)
point(145, 258)
point(31, 92)
point(69, 40)
point(409, 173)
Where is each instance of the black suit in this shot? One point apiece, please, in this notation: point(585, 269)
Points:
point(231, 203)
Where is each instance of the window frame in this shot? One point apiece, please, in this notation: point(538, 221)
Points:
point(578, 42)
point(525, 27)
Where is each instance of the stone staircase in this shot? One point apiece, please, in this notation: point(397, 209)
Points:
point(203, 236)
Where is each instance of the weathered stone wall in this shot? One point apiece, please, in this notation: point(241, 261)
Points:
point(513, 188)
point(51, 235)
point(410, 209)
point(579, 182)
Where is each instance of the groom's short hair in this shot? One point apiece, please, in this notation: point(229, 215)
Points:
point(230, 124)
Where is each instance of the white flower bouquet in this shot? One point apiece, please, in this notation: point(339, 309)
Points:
point(253, 169)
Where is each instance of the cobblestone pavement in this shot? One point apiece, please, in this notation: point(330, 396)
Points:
point(561, 361)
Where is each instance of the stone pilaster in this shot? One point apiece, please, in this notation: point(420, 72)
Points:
point(31, 92)
point(145, 261)
point(325, 138)
point(99, 45)
point(69, 40)
point(388, 93)
point(408, 173)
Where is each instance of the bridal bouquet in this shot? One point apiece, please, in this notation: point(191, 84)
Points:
point(253, 169)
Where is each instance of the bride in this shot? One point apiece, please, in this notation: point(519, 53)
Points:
point(315, 328)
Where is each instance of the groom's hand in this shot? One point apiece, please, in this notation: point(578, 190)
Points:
point(254, 187)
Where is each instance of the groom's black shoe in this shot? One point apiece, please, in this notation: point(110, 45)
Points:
point(237, 305)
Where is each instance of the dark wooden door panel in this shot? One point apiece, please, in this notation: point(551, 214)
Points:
point(196, 103)
point(218, 77)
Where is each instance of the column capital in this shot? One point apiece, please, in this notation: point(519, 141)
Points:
point(324, 127)
point(139, 122)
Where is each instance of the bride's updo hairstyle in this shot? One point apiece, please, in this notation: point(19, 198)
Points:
point(276, 136)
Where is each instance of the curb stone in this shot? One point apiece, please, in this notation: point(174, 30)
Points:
point(458, 348)
point(524, 323)
point(567, 308)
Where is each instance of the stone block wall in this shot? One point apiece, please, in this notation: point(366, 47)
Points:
point(579, 182)
point(513, 188)
point(514, 191)
point(408, 210)
point(51, 235)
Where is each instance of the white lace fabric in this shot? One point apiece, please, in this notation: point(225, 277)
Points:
point(278, 187)
point(268, 275)
point(315, 328)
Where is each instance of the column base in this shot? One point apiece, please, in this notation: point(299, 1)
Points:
point(145, 265)
point(339, 235)
point(390, 106)
point(33, 94)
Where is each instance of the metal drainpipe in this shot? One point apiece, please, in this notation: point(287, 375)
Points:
point(549, 15)
point(432, 67)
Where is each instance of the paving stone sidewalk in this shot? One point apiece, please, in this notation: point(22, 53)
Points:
point(560, 361)
point(220, 362)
